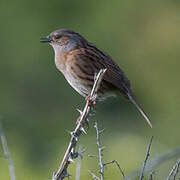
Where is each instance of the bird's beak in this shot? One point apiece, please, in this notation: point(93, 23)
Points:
point(46, 39)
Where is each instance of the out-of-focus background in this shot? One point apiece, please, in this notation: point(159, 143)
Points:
point(38, 105)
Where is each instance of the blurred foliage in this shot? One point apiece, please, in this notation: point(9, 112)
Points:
point(38, 105)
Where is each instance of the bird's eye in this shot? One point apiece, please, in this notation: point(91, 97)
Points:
point(58, 36)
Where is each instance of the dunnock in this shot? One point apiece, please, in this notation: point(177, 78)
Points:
point(79, 60)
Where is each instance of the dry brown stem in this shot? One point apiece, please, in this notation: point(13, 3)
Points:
point(71, 153)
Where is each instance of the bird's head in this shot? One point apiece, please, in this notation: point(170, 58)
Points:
point(64, 40)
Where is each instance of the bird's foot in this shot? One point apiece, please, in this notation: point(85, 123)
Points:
point(90, 100)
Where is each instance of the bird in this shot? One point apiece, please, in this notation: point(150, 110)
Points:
point(79, 60)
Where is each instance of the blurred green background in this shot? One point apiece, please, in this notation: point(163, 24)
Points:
point(38, 105)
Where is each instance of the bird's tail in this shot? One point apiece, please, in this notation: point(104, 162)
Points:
point(131, 98)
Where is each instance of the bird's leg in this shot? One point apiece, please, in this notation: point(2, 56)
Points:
point(90, 100)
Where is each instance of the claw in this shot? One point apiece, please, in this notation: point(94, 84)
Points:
point(83, 130)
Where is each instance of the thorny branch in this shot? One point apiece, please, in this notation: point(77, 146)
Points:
point(82, 120)
point(6, 153)
point(174, 171)
point(145, 161)
point(100, 155)
point(100, 150)
point(154, 162)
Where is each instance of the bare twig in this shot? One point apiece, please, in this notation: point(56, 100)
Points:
point(118, 165)
point(174, 171)
point(100, 149)
point(6, 153)
point(145, 161)
point(82, 120)
point(100, 155)
point(93, 175)
point(154, 162)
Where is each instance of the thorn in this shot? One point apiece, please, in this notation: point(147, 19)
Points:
point(101, 131)
point(70, 132)
point(83, 130)
point(54, 175)
point(72, 150)
point(91, 155)
point(70, 160)
point(102, 148)
point(79, 111)
point(76, 138)
point(83, 150)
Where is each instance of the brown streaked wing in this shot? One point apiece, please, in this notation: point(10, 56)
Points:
point(97, 60)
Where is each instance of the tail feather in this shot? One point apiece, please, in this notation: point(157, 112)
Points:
point(140, 109)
